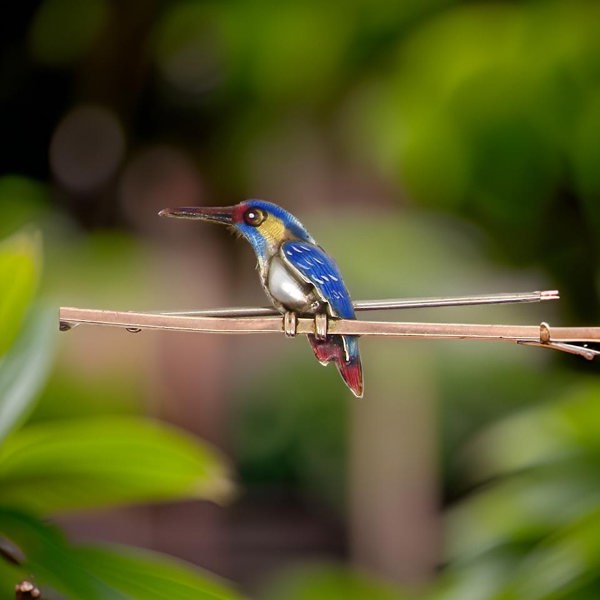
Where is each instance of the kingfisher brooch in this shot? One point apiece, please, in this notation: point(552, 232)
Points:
point(295, 272)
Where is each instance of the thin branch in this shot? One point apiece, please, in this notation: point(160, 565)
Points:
point(388, 304)
point(558, 338)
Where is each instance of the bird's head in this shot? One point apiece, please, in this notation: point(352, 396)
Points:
point(263, 224)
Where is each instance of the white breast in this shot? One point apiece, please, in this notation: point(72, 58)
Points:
point(285, 288)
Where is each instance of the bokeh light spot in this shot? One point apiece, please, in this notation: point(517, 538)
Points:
point(87, 148)
point(158, 177)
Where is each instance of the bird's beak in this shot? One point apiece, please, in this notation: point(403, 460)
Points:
point(214, 214)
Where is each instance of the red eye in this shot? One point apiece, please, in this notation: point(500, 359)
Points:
point(254, 217)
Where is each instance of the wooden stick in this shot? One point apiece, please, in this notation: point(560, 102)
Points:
point(558, 338)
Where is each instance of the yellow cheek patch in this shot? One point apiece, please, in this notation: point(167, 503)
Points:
point(272, 229)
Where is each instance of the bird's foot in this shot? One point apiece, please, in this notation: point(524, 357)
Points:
point(290, 323)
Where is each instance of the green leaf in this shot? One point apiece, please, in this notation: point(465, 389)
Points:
point(325, 582)
point(564, 430)
point(49, 560)
point(20, 263)
point(79, 464)
point(563, 562)
point(10, 575)
point(24, 369)
point(519, 510)
point(22, 202)
point(145, 575)
point(99, 573)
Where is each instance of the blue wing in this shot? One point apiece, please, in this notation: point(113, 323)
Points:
point(316, 267)
point(319, 269)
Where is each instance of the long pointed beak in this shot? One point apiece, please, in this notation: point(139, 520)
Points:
point(214, 214)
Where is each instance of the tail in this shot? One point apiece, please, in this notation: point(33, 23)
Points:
point(333, 349)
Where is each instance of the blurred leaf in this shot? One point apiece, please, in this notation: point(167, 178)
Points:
point(281, 62)
point(536, 439)
point(63, 30)
point(567, 428)
point(559, 566)
point(58, 466)
point(104, 573)
point(542, 508)
point(579, 414)
point(21, 201)
point(50, 559)
point(328, 582)
point(24, 369)
point(508, 123)
point(520, 510)
point(20, 263)
point(435, 141)
point(145, 575)
point(480, 579)
point(10, 575)
point(585, 148)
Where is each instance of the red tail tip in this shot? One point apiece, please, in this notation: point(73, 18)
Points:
point(333, 351)
point(351, 373)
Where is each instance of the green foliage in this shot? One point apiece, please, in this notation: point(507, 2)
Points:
point(24, 368)
point(25, 363)
point(102, 572)
point(508, 123)
point(152, 576)
point(295, 435)
point(329, 582)
point(63, 464)
point(22, 201)
point(20, 264)
point(105, 461)
point(487, 112)
point(540, 510)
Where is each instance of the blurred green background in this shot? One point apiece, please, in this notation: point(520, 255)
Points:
point(433, 147)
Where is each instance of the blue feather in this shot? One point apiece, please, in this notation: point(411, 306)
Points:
point(316, 267)
point(319, 269)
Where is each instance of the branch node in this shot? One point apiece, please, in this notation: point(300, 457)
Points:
point(544, 333)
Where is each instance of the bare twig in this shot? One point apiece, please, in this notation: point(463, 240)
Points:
point(565, 339)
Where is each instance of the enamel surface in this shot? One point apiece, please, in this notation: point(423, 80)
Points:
point(285, 288)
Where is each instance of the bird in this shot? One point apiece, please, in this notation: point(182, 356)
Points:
point(296, 274)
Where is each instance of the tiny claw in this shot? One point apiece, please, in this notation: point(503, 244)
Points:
point(321, 326)
point(290, 324)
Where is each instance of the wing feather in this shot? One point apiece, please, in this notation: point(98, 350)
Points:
point(316, 267)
